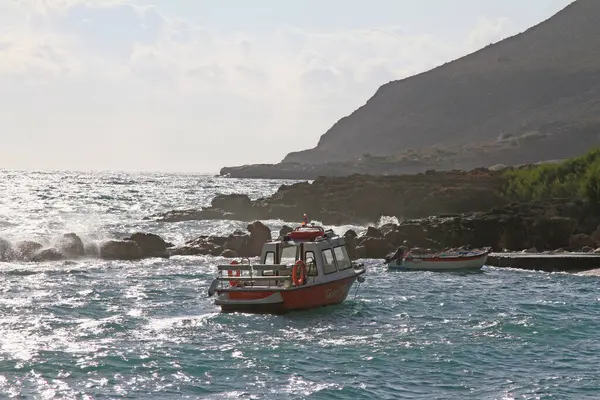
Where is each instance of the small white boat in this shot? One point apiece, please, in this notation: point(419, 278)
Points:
point(449, 261)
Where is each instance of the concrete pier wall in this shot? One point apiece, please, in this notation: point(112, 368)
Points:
point(558, 262)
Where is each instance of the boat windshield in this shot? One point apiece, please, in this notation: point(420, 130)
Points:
point(288, 255)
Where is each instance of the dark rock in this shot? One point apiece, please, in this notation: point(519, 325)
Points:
point(189, 251)
point(91, 249)
point(217, 240)
point(215, 250)
point(228, 253)
point(373, 232)
point(587, 249)
point(285, 230)
point(259, 235)
point(232, 202)
point(351, 238)
point(360, 252)
point(387, 229)
point(151, 245)
point(249, 245)
point(191, 215)
point(120, 250)
point(50, 254)
point(412, 232)
point(70, 245)
point(582, 240)
point(7, 252)
point(596, 234)
point(555, 231)
point(237, 243)
point(350, 234)
point(27, 249)
point(286, 212)
point(376, 247)
point(202, 245)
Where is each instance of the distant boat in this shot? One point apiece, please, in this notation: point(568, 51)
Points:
point(446, 261)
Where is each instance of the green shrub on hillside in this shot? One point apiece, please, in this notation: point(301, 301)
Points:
point(578, 177)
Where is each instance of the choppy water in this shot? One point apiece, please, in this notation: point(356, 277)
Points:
point(93, 329)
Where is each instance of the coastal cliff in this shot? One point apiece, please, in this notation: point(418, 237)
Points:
point(528, 98)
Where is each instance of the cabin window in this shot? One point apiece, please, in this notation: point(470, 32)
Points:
point(269, 258)
point(328, 262)
point(342, 258)
point(311, 263)
point(289, 255)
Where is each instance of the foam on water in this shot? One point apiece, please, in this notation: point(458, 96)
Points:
point(92, 328)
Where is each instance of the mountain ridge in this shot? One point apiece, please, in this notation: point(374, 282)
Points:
point(543, 82)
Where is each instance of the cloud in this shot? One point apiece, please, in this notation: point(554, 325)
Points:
point(489, 31)
point(146, 90)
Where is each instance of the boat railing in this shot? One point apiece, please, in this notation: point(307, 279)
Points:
point(254, 275)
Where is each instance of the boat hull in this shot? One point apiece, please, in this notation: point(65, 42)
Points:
point(472, 263)
point(283, 301)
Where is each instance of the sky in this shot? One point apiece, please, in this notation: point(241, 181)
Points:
point(195, 85)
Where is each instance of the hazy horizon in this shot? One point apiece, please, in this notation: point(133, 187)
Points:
point(192, 86)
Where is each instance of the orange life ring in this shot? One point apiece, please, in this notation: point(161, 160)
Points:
point(237, 273)
point(299, 279)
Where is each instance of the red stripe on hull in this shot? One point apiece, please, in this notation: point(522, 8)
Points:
point(249, 295)
point(318, 296)
point(304, 298)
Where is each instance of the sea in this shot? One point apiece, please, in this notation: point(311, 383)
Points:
point(93, 329)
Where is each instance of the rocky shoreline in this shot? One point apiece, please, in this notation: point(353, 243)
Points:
point(517, 227)
point(137, 246)
point(359, 199)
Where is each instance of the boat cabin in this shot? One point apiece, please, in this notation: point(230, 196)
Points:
point(323, 253)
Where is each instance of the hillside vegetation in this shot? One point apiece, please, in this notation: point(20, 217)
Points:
point(577, 177)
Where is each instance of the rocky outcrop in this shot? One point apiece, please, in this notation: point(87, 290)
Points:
point(362, 199)
point(70, 246)
point(285, 230)
point(92, 249)
point(238, 244)
point(259, 235)
point(50, 254)
point(150, 244)
point(27, 249)
point(202, 245)
point(540, 226)
point(120, 250)
point(534, 227)
point(7, 251)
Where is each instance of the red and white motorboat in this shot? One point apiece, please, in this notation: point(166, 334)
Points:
point(308, 268)
point(446, 261)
